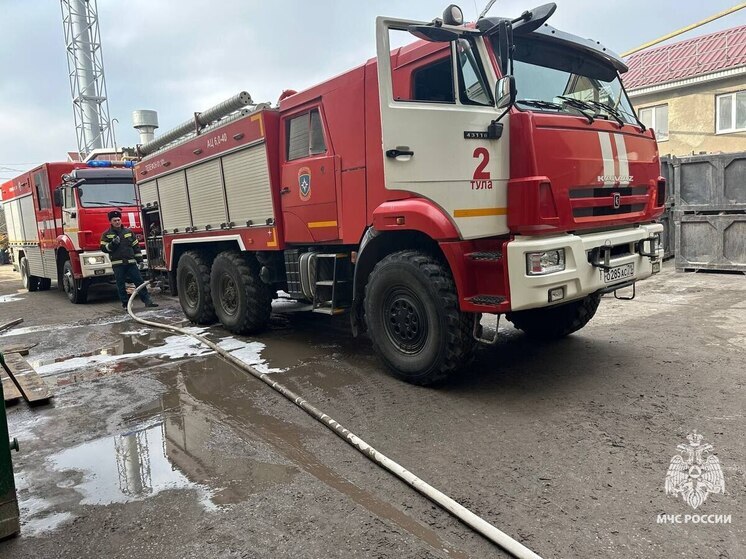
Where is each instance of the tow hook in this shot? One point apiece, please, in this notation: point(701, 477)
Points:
point(600, 257)
point(640, 247)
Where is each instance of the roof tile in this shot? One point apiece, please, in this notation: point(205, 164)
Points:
point(686, 59)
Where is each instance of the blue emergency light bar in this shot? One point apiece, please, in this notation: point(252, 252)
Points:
point(97, 163)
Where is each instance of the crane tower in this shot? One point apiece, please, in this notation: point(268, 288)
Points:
point(86, 69)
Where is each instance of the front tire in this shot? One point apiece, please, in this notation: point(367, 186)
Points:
point(552, 323)
point(243, 302)
point(31, 283)
point(413, 318)
point(76, 290)
point(193, 285)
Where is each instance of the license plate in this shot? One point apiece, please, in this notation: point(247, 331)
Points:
point(619, 273)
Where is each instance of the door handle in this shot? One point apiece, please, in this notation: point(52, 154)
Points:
point(285, 190)
point(394, 153)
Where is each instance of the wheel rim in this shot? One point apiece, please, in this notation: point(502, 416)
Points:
point(68, 281)
point(24, 275)
point(191, 289)
point(228, 294)
point(405, 321)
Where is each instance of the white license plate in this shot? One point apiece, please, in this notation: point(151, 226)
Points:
point(619, 273)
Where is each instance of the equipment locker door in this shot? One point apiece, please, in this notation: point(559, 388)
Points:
point(308, 180)
point(436, 105)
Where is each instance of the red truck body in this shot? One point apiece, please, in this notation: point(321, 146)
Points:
point(542, 218)
point(54, 229)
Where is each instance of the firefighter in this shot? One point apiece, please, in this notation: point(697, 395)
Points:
point(124, 251)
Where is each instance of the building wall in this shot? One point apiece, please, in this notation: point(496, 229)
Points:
point(691, 117)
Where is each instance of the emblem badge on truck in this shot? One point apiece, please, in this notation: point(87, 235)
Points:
point(304, 183)
point(617, 199)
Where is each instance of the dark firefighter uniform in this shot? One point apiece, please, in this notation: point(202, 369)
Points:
point(123, 249)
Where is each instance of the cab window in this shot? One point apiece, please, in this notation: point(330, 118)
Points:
point(473, 88)
point(304, 136)
point(434, 82)
point(42, 192)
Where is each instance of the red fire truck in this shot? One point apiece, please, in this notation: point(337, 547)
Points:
point(56, 214)
point(489, 168)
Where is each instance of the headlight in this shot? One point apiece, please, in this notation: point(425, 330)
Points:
point(93, 260)
point(547, 262)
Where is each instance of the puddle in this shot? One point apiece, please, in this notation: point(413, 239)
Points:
point(126, 467)
point(145, 344)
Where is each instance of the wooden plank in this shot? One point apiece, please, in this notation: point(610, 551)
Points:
point(10, 324)
point(10, 390)
point(22, 349)
point(28, 381)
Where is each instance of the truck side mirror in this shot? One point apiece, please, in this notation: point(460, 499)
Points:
point(58, 197)
point(505, 92)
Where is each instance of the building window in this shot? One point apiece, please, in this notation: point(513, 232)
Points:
point(731, 112)
point(657, 119)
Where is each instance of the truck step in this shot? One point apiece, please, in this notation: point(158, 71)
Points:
point(326, 308)
point(486, 299)
point(486, 256)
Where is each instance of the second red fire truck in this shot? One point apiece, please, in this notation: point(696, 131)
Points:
point(489, 168)
point(56, 214)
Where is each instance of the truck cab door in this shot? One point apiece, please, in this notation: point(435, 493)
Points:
point(70, 216)
point(436, 101)
point(308, 179)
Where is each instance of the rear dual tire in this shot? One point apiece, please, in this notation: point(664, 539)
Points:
point(243, 302)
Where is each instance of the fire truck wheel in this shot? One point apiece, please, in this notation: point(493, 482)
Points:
point(556, 322)
point(76, 290)
point(30, 282)
point(243, 302)
point(413, 318)
point(193, 286)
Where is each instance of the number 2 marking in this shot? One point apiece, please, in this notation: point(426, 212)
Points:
point(482, 179)
point(480, 173)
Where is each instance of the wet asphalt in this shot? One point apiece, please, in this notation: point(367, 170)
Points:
point(153, 446)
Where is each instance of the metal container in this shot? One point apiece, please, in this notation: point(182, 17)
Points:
point(667, 172)
point(713, 182)
point(710, 242)
point(668, 237)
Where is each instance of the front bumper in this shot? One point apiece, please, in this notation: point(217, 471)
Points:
point(581, 277)
point(95, 270)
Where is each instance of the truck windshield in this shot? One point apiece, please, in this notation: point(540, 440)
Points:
point(106, 193)
point(556, 78)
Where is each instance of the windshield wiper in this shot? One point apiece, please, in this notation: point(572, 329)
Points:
point(86, 202)
point(130, 203)
point(580, 106)
point(540, 104)
point(613, 113)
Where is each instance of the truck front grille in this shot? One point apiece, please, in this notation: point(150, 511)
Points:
point(589, 202)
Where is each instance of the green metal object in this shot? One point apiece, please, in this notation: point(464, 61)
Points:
point(9, 515)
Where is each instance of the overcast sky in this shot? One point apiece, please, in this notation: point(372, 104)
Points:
point(183, 56)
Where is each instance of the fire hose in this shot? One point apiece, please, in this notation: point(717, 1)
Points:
point(477, 523)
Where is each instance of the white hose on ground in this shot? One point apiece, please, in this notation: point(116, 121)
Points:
point(480, 525)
